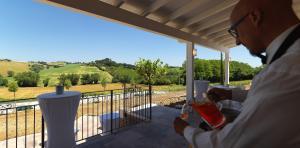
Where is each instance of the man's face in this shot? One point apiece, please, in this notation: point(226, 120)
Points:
point(248, 32)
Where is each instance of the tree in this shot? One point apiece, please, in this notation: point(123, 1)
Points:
point(210, 70)
point(173, 76)
point(27, 79)
point(10, 73)
point(36, 68)
point(62, 78)
point(150, 71)
point(74, 78)
point(104, 81)
point(124, 75)
point(125, 79)
point(46, 82)
point(13, 87)
point(68, 84)
point(3, 81)
point(108, 63)
point(95, 77)
point(86, 79)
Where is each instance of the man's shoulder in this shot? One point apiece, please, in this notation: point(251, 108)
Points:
point(289, 63)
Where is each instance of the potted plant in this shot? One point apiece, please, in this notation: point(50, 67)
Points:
point(59, 89)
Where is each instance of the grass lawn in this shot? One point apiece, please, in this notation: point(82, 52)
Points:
point(32, 92)
point(241, 83)
point(169, 88)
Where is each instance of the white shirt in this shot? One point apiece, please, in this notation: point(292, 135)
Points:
point(271, 114)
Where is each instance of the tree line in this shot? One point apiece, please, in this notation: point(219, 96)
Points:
point(142, 72)
point(211, 70)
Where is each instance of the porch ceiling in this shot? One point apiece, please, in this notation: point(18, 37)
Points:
point(204, 22)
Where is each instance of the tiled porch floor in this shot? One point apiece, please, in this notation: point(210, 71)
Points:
point(158, 133)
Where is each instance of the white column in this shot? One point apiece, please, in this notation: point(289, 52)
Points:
point(189, 71)
point(226, 67)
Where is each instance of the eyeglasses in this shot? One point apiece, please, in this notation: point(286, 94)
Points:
point(232, 30)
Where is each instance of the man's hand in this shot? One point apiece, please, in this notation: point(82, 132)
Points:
point(179, 125)
point(218, 94)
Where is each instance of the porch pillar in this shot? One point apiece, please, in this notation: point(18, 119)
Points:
point(189, 71)
point(226, 67)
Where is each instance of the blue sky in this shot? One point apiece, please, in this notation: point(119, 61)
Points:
point(33, 31)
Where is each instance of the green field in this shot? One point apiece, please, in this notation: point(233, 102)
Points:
point(70, 68)
point(53, 73)
point(13, 66)
point(241, 83)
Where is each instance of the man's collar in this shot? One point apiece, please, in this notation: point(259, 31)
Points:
point(275, 44)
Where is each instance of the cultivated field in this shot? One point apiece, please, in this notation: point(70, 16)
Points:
point(13, 66)
point(53, 73)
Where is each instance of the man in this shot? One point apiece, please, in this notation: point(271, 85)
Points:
point(270, 116)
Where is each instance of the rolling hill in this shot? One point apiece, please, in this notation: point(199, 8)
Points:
point(13, 66)
point(53, 73)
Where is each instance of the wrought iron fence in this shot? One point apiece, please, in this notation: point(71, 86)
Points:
point(99, 113)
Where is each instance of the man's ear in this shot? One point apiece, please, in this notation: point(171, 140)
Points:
point(256, 17)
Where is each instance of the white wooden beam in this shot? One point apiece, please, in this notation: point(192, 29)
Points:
point(226, 4)
point(111, 13)
point(155, 6)
point(185, 9)
point(189, 71)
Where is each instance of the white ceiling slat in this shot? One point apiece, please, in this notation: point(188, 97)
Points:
point(155, 6)
point(211, 22)
point(120, 3)
point(217, 28)
point(111, 13)
point(210, 12)
point(185, 9)
point(230, 44)
point(222, 38)
point(225, 41)
point(218, 34)
point(116, 3)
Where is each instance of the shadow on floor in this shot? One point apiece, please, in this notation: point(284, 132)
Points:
point(158, 133)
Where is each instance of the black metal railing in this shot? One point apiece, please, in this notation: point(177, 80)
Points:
point(99, 113)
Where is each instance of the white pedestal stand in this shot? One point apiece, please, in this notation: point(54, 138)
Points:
point(59, 112)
